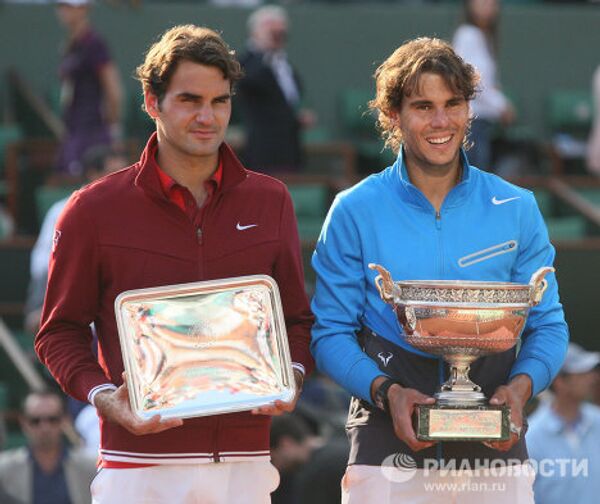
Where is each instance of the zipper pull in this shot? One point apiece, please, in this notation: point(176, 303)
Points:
point(199, 235)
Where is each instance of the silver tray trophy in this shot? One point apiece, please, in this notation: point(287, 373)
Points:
point(205, 348)
point(461, 321)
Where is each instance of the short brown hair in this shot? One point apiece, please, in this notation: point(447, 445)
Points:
point(400, 74)
point(45, 393)
point(185, 43)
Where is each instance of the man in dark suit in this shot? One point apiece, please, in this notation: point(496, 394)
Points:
point(270, 96)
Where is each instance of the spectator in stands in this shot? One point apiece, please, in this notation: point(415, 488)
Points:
point(593, 153)
point(567, 428)
point(310, 467)
point(291, 445)
point(7, 224)
point(46, 470)
point(87, 425)
point(476, 41)
point(318, 481)
point(270, 96)
point(90, 89)
point(8, 499)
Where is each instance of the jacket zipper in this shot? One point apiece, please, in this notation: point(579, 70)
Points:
point(216, 456)
point(200, 233)
point(438, 226)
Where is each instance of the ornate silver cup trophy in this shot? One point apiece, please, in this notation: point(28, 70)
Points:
point(461, 321)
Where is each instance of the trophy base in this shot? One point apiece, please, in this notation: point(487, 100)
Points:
point(462, 422)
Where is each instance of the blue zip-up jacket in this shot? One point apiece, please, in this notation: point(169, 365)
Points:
point(487, 230)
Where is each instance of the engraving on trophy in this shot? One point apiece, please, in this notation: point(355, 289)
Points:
point(461, 423)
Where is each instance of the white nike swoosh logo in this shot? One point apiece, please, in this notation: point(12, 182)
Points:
point(497, 201)
point(239, 227)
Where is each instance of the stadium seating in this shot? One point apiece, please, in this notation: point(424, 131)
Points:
point(569, 119)
point(358, 124)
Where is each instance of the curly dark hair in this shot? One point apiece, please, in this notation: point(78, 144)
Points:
point(400, 74)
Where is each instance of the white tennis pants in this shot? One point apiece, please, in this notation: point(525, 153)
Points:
point(214, 483)
point(364, 484)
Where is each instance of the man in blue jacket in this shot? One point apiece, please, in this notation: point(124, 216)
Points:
point(428, 216)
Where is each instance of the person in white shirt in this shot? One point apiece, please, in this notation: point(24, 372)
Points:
point(564, 434)
point(476, 42)
point(97, 163)
point(593, 152)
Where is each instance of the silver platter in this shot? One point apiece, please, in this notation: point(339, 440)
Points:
point(205, 348)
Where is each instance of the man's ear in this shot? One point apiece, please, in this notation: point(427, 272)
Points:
point(151, 104)
point(395, 118)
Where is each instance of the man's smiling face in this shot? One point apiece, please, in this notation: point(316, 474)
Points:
point(434, 122)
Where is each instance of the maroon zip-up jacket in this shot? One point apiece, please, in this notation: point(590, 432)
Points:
point(123, 233)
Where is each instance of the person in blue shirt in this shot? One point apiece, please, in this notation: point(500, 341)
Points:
point(564, 434)
point(428, 216)
point(46, 471)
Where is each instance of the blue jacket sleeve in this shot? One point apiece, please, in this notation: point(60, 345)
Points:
point(546, 336)
point(338, 305)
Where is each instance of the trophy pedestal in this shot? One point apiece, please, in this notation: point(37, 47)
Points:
point(442, 422)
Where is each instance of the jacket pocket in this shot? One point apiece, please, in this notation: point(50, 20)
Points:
point(487, 253)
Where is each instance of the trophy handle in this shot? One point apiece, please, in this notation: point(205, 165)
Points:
point(538, 284)
point(384, 283)
point(409, 320)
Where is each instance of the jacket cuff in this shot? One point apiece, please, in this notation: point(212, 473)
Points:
point(537, 371)
point(105, 386)
point(361, 376)
point(302, 357)
point(82, 385)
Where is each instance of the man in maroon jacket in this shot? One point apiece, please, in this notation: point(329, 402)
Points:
point(187, 211)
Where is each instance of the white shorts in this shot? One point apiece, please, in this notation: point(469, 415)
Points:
point(216, 483)
point(362, 484)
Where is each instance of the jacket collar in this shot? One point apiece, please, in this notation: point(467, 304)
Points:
point(147, 176)
point(411, 194)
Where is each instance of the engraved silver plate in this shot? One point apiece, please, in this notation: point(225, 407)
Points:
point(205, 348)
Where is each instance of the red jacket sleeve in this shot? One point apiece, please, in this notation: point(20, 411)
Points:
point(289, 276)
point(63, 342)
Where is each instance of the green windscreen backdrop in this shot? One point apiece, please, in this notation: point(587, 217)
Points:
point(542, 47)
